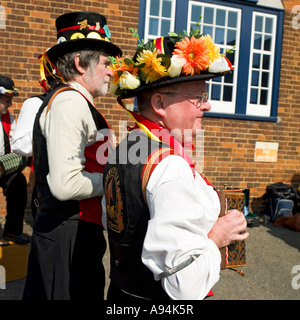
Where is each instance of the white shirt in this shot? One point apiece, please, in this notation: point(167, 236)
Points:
point(68, 128)
point(183, 209)
point(21, 142)
point(12, 128)
point(182, 212)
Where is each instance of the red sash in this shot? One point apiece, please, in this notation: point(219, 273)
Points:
point(5, 119)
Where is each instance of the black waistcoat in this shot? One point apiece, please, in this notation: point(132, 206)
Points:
point(48, 205)
point(128, 216)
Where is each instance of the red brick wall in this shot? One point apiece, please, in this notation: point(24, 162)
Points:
point(30, 30)
point(229, 144)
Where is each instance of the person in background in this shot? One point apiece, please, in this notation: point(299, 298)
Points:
point(14, 184)
point(21, 141)
point(163, 219)
point(68, 244)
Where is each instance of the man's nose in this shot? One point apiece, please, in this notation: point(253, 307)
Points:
point(205, 106)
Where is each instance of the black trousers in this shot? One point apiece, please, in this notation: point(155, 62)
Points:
point(15, 190)
point(65, 263)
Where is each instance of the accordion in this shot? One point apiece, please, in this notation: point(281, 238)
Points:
point(10, 163)
point(234, 255)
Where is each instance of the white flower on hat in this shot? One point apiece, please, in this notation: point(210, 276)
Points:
point(219, 66)
point(129, 81)
point(2, 90)
point(176, 66)
point(60, 40)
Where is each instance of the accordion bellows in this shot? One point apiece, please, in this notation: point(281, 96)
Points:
point(10, 163)
point(233, 255)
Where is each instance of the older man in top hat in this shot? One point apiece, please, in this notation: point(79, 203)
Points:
point(67, 245)
point(162, 215)
point(14, 184)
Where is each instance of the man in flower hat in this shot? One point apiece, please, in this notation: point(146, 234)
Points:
point(14, 184)
point(67, 245)
point(162, 215)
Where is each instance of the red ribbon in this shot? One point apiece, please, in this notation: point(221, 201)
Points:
point(101, 30)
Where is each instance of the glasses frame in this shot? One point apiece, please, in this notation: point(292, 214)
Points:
point(200, 98)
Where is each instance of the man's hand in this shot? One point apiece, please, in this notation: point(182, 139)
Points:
point(228, 228)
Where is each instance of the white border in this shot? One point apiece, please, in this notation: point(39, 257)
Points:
point(258, 109)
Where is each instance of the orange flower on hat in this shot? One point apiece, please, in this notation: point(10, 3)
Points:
point(153, 69)
point(196, 54)
point(120, 66)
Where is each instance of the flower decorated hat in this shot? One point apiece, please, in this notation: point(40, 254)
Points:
point(167, 60)
point(82, 30)
point(7, 87)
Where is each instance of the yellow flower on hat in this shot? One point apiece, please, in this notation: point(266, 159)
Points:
point(153, 69)
point(214, 51)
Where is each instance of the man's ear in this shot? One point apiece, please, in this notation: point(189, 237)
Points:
point(77, 59)
point(158, 105)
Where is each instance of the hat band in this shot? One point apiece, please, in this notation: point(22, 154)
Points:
point(6, 91)
point(101, 30)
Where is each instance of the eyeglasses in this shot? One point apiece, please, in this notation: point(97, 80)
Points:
point(200, 98)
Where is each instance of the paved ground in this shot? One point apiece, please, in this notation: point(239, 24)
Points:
point(272, 254)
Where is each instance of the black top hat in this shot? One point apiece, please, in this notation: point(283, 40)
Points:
point(7, 87)
point(165, 61)
point(82, 30)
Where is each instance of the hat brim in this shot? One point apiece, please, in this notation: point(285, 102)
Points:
point(169, 81)
point(82, 44)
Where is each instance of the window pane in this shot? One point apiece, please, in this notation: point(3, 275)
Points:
point(231, 57)
point(228, 77)
point(196, 13)
point(166, 9)
point(265, 79)
point(227, 95)
point(208, 30)
point(220, 34)
point(194, 26)
point(165, 27)
point(221, 15)
point(218, 79)
point(257, 41)
point(209, 15)
point(266, 62)
point(253, 96)
point(267, 43)
point(255, 75)
point(264, 97)
point(154, 7)
point(153, 26)
point(256, 61)
point(231, 37)
point(269, 25)
point(259, 24)
point(232, 19)
point(216, 92)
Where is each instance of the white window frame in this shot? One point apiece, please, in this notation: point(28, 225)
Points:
point(221, 106)
point(148, 36)
point(258, 109)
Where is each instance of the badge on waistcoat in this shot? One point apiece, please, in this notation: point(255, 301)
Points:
point(114, 204)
